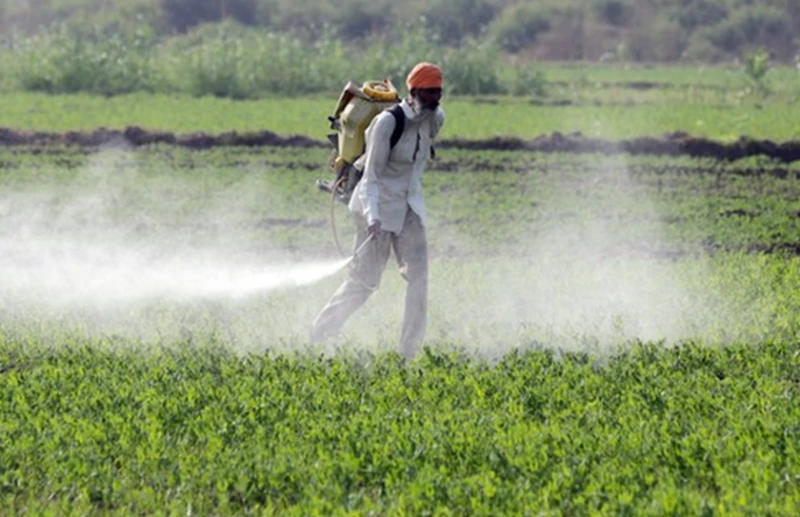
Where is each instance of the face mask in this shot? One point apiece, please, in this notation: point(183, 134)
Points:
point(428, 99)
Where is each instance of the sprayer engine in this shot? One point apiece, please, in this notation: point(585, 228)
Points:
point(355, 109)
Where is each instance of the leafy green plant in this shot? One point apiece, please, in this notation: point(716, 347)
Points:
point(613, 12)
point(747, 27)
point(72, 59)
point(756, 66)
point(458, 20)
point(221, 405)
point(184, 14)
point(202, 428)
point(520, 25)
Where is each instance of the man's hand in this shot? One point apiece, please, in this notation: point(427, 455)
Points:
point(374, 230)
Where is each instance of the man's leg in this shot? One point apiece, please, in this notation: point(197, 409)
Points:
point(362, 279)
point(412, 246)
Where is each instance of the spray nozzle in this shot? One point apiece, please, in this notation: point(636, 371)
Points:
point(360, 248)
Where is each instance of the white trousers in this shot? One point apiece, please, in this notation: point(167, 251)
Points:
point(411, 250)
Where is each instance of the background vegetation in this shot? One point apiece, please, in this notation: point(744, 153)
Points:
point(661, 30)
point(251, 48)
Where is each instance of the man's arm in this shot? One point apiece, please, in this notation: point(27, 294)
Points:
point(377, 155)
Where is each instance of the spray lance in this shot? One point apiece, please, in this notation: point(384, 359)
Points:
point(358, 250)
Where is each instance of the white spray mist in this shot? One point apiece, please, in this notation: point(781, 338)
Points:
point(112, 236)
point(124, 248)
point(589, 274)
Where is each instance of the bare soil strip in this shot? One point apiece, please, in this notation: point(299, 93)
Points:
point(137, 136)
point(671, 144)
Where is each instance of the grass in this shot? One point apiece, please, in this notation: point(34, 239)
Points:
point(467, 117)
point(725, 77)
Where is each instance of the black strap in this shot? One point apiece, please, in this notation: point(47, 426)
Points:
point(399, 124)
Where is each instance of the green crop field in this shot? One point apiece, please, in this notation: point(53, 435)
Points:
point(700, 76)
point(608, 335)
point(467, 117)
point(532, 396)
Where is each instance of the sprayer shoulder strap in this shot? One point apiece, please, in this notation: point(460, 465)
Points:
point(399, 124)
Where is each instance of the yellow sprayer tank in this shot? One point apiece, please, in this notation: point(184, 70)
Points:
point(355, 110)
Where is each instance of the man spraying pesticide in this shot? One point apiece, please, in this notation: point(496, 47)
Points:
point(389, 208)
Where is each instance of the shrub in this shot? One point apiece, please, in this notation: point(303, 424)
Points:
point(212, 67)
point(750, 26)
point(303, 17)
point(526, 80)
point(699, 49)
point(756, 66)
point(671, 40)
point(69, 59)
point(613, 12)
point(229, 60)
point(6, 65)
point(184, 14)
point(361, 20)
point(520, 25)
point(472, 69)
point(456, 20)
point(691, 14)
point(390, 57)
point(665, 41)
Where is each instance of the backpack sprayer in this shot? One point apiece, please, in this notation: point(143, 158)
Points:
point(354, 111)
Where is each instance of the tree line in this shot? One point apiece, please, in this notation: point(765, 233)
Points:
point(626, 30)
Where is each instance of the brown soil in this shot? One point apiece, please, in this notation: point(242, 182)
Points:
point(790, 248)
point(672, 144)
point(137, 136)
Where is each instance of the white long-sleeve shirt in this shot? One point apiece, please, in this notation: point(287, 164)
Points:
point(392, 180)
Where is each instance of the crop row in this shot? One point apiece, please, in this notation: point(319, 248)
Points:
point(97, 426)
point(603, 339)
